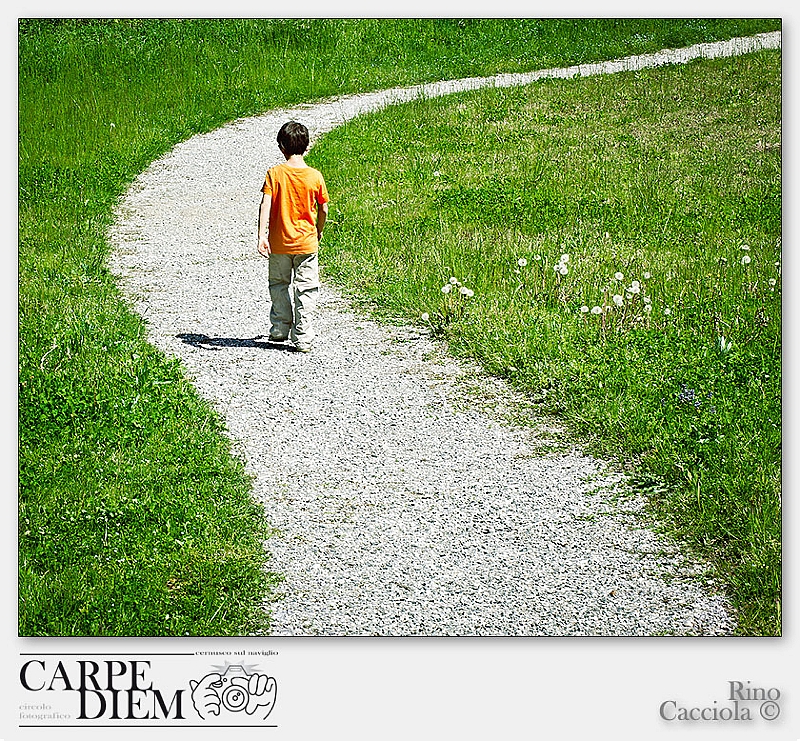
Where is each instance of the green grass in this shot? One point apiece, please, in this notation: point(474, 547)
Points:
point(135, 517)
point(670, 177)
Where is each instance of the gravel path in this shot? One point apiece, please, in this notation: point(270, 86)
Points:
point(405, 503)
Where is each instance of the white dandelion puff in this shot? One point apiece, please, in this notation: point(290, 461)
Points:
point(584, 309)
point(522, 262)
point(619, 276)
point(425, 316)
point(618, 299)
point(453, 281)
point(746, 260)
point(564, 258)
point(596, 310)
point(667, 311)
point(446, 288)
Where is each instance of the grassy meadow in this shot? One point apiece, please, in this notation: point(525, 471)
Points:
point(135, 516)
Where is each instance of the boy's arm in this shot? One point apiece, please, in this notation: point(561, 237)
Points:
point(263, 224)
point(322, 214)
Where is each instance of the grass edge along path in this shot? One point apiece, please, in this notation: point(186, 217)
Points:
point(758, 612)
point(134, 513)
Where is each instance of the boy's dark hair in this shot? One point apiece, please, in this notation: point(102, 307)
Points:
point(293, 138)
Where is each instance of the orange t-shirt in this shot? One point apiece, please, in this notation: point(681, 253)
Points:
point(295, 193)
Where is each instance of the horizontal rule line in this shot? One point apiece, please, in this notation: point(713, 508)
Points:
point(100, 653)
point(129, 725)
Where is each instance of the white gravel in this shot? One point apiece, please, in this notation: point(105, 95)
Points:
point(405, 504)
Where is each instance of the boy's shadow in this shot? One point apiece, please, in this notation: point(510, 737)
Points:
point(204, 342)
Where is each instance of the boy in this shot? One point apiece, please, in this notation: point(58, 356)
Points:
point(288, 234)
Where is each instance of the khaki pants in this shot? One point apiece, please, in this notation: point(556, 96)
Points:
point(300, 272)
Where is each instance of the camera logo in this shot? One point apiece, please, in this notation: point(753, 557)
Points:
point(235, 691)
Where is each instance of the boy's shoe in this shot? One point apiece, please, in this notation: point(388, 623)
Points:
point(277, 338)
point(302, 347)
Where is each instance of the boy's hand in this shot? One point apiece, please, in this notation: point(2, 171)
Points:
point(263, 247)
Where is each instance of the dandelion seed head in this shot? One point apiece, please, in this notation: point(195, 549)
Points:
point(772, 281)
point(584, 309)
point(648, 308)
point(619, 276)
point(446, 288)
point(746, 260)
point(618, 299)
point(667, 311)
point(453, 281)
point(647, 276)
point(647, 299)
point(745, 247)
point(563, 269)
point(564, 258)
point(522, 262)
point(596, 310)
point(425, 316)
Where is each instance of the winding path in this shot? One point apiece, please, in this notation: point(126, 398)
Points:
point(405, 504)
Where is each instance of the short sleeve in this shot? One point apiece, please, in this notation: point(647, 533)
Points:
point(267, 187)
point(322, 191)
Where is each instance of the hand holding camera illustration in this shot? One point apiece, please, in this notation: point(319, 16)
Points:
point(234, 691)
